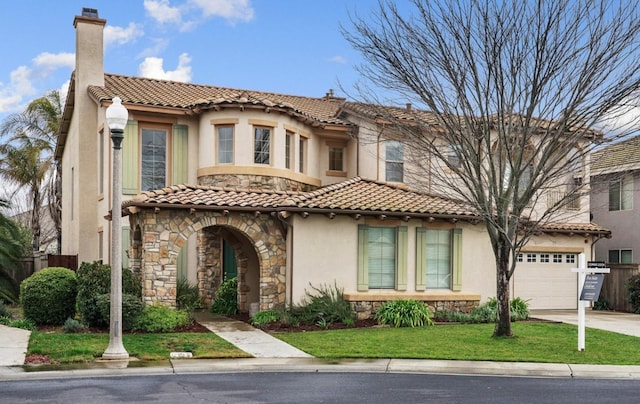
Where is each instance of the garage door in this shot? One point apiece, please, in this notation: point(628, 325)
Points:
point(546, 280)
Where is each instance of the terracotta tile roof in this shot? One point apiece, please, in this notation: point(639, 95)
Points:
point(191, 97)
point(617, 157)
point(355, 195)
point(588, 228)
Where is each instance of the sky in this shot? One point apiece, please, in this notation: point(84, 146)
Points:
point(283, 46)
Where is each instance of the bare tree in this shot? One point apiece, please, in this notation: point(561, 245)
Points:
point(517, 93)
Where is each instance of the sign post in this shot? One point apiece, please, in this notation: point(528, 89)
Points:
point(590, 279)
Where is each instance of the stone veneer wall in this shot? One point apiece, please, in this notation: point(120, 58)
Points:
point(163, 234)
point(367, 309)
point(254, 181)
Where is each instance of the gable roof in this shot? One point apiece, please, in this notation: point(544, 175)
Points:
point(617, 157)
point(355, 196)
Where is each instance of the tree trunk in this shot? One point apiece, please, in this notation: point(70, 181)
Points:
point(503, 323)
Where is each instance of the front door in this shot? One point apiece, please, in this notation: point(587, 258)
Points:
point(229, 263)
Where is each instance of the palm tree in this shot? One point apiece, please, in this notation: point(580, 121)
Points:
point(10, 251)
point(36, 129)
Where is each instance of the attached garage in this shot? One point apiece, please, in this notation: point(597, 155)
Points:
point(546, 280)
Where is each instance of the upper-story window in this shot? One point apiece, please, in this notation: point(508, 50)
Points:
point(288, 149)
point(153, 160)
point(336, 158)
point(225, 144)
point(262, 145)
point(621, 193)
point(394, 161)
point(302, 155)
point(453, 155)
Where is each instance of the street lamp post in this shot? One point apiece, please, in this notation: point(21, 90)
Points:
point(116, 117)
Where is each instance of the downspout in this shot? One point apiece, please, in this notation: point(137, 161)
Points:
point(378, 152)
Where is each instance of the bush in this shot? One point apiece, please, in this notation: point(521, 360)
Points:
point(49, 295)
point(4, 310)
point(72, 326)
point(226, 300)
point(24, 323)
point(264, 317)
point(404, 313)
point(188, 296)
point(633, 288)
point(160, 319)
point(94, 279)
point(132, 307)
point(487, 312)
point(323, 306)
point(602, 304)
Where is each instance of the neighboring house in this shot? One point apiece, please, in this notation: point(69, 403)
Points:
point(285, 192)
point(615, 181)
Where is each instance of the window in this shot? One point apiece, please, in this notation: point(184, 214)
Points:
point(453, 155)
point(621, 194)
point(302, 154)
point(153, 159)
point(100, 245)
point(336, 156)
point(382, 257)
point(262, 145)
point(225, 144)
point(544, 258)
point(394, 161)
point(557, 258)
point(519, 257)
point(288, 142)
point(620, 256)
point(438, 258)
point(531, 257)
point(570, 259)
point(101, 162)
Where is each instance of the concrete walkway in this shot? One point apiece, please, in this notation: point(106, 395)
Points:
point(618, 322)
point(251, 340)
point(13, 345)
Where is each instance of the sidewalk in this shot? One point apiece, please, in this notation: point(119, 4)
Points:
point(13, 345)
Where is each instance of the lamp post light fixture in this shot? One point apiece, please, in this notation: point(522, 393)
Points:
point(116, 117)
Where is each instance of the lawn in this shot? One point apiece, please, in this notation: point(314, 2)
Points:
point(85, 347)
point(535, 342)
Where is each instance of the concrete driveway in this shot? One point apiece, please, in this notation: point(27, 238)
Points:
point(619, 322)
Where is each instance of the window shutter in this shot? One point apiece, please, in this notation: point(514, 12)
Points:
point(456, 260)
point(130, 159)
point(180, 155)
point(421, 270)
point(126, 246)
point(401, 259)
point(363, 258)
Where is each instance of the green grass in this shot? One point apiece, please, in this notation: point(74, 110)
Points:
point(70, 348)
point(534, 342)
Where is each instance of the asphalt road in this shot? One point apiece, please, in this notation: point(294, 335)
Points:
point(383, 388)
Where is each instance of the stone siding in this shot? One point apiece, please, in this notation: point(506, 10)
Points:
point(367, 309)
point(254, 182)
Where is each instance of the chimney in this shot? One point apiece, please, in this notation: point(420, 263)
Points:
point(408, 106)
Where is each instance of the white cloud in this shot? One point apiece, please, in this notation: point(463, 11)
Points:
point(231, 10)
point(162, 12)
point(338, 59)
point(120, 35)
point(152, 67)
point(21, 81)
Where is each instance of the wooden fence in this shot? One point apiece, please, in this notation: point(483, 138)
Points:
point(614, 286)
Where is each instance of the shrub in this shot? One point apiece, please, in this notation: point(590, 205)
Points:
point(94, 279)
point(487, 312)
point(264, 317)
point(188, 296)
point(404, 313)
point(323, 306)
point(519, 309)
point(49, 295)
point(602, 304)
point(226, 300)
point(72, 326)
point(633, 288)
point(131, 308)
point(24, 323)
point(4, 310)
point(160, 319)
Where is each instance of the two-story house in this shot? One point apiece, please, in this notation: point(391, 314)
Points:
point(285, 192)
point(615, 175)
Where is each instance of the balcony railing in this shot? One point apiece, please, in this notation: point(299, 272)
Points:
point(569, 202)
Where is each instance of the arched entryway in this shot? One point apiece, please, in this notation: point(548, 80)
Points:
point(257, 241)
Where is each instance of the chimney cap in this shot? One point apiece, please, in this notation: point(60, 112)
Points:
point(90, 12)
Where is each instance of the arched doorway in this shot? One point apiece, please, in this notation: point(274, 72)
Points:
point(257, 241)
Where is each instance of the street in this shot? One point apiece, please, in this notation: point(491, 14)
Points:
point(384, 388)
